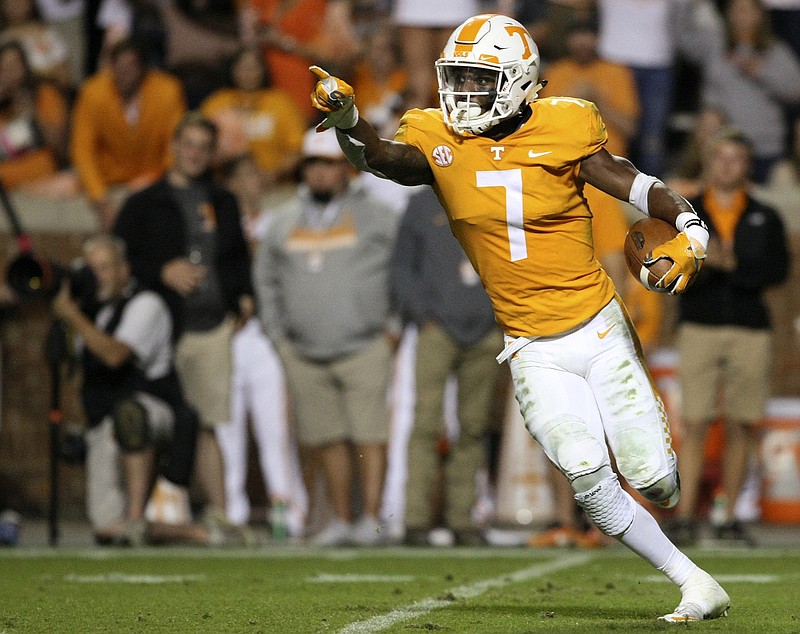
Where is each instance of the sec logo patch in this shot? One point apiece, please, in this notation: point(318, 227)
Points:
point(442, 155)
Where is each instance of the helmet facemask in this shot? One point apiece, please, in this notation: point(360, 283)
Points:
point(475, 111)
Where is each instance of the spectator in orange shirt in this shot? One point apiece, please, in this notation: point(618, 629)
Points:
point(296, 34)
point(122, 127)
point(33, 121)
point(255, 118)
point(610, 86)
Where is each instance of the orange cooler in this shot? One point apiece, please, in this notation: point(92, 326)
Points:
point(780, 462)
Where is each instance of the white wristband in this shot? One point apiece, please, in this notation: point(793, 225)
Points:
point(693, 227)
point(639, 191)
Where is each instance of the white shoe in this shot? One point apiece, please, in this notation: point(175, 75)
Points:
point(337, 533)
point(296, 521)
point(168, 504)
point(702, 599)
point(367, 532)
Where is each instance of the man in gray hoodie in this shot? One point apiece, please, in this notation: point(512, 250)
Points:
point(322, 282)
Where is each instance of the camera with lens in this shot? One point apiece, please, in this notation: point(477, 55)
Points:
point(33, 277)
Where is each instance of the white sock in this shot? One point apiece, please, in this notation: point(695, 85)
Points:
point(646, 539)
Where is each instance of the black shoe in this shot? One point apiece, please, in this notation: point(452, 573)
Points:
point(112, 541)
point(681, 531)
point(469, 537)
point(734, 532)
point(416, 537)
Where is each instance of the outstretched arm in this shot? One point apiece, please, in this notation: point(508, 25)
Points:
point(399, 162)
point(619, 178)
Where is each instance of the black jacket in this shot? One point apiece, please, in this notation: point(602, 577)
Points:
point(762, 259)
point(104, 388)
point(151, 224)
point(432, 278)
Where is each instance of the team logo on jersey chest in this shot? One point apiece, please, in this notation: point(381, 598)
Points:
point(442, 155)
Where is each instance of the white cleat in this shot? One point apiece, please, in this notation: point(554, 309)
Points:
point(336, 533)
point(367, 532)
point(703, 599)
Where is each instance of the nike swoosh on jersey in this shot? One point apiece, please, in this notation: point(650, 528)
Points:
point(602, 335)
point(532, 154)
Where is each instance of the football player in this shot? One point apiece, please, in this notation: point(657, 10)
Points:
point(510, 169)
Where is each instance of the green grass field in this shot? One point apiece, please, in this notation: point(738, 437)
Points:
point(298, 590)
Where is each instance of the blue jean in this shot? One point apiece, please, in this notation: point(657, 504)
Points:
point(654, 88)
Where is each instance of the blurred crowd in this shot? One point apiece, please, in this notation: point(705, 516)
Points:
point(129, 104)
point(665, 75)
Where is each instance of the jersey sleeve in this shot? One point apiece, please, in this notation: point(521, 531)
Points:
point(597, 135)
point(581, 124)
point(409, 130)
point(572, 127)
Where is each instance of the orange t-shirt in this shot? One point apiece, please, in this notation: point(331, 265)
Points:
point(725, 219)
point(518, 210)
point(106, 150)
point(373, 93)
point(306, 22)
point(609, 226)
point(265, 123)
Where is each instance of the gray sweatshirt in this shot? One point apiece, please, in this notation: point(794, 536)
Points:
point(322, 274)
point(752, 104)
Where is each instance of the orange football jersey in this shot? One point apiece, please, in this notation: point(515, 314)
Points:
point(518, 210)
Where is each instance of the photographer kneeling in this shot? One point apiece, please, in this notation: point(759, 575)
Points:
point(133, 402)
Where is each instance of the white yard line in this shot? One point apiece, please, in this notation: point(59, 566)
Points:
point(326, 578)
point(727, 578)
point(121, 577)
point(405, 613)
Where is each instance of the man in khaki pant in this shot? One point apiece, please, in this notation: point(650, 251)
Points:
point(185, 240)
point(725, 333)
point(436, 288)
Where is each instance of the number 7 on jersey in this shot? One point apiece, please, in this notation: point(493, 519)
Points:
point(511, 181)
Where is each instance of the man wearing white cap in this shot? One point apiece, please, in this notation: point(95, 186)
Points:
point(322, 282)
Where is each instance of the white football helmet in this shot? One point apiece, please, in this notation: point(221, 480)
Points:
point(496, 55)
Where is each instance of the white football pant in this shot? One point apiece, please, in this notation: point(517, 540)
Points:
point(259, 392)
point(550, 375)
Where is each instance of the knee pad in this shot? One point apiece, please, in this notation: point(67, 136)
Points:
point(589, 481)
point(131, 425)
point(608, 506)
point(665, 493)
